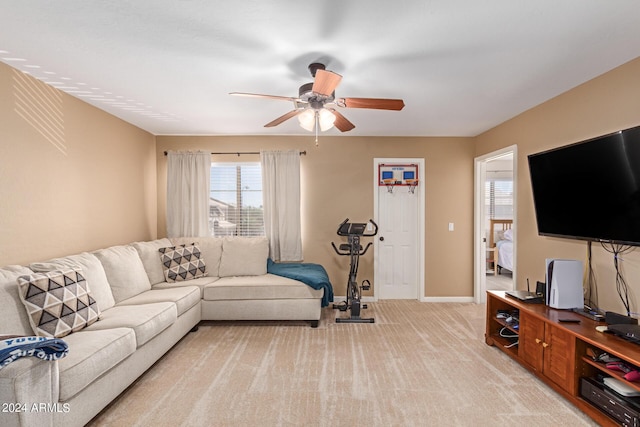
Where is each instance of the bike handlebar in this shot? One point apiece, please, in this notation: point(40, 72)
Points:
point(347, 232)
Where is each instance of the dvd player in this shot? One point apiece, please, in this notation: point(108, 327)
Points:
point(626, 331)
point(625, 410)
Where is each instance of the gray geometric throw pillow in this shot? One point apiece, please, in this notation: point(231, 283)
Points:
point(58, 302)
point(182, 263)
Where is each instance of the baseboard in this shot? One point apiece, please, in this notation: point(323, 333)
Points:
point(338, 299)
point(447, 299)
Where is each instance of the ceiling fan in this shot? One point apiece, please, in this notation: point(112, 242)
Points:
point(316, 103)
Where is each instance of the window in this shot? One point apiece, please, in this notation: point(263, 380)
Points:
point(499, 199)
point(235, 205)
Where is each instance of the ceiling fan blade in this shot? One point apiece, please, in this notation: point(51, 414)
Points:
point(341, 123)
point(283, 118)
point(373, 103)
point(257, 95)
point(326, 82)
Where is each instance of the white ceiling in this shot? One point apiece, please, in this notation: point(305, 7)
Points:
point(461, 66)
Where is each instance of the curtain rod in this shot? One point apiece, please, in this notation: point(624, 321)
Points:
point(239, 153)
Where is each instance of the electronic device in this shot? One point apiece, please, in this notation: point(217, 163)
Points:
point(541, 289)
point(569, 320)
point(626, 331)
point(526, 296)
point(620, 387)
point(564, 283)
point(590, 314)
point(625, 410)
point(613, 318)
point(588, 190)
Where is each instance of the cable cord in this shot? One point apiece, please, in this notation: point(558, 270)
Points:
point(506, 333)
point(621, 284)
point(592, 287)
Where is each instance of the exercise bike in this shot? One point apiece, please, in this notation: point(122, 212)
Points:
point(353, 249)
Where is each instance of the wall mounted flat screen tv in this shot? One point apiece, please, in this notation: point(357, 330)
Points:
point(590, 190)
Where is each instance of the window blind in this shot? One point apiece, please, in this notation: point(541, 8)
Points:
point(236, 200)
point(498, 196)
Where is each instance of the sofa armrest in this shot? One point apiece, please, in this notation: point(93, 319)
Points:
point(29, 390)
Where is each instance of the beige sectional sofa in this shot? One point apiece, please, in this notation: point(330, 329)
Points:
point(142, 316)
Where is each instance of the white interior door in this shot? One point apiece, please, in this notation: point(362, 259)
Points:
point(398, 251)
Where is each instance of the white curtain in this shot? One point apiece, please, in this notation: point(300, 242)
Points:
point(188, 182)
point(281, 201)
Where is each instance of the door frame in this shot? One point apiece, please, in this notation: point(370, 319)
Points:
point(420, 192)
point(479, 253)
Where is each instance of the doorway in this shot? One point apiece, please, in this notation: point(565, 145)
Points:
point(495, 228)
point(399, 211)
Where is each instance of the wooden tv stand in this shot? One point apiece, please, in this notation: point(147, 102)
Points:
point(555, 352)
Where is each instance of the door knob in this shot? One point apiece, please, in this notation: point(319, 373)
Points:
point(381, 238)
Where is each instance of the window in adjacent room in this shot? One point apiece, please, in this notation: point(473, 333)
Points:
point(235, 205)
point(499, 198)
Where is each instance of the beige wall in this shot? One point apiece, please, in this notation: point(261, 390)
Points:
point(605, 104)
point(337, 182)
point(72, 178)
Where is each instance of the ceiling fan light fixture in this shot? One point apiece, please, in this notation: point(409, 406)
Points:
point(307, 119)
point(326, 119)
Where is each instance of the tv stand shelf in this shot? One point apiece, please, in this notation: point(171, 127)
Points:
point(555, 352)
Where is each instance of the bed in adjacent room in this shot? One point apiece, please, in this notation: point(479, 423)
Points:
point(501, 238)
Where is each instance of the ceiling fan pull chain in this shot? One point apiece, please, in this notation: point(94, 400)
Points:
point(316, 126)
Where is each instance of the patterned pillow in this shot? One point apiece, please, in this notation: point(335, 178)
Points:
point(182, 263)
point(58, 302)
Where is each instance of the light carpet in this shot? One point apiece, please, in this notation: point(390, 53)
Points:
point(420, 364)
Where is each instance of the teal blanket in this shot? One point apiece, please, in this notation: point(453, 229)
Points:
point(313, 275)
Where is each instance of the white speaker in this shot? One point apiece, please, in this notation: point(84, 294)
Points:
point(564, 283)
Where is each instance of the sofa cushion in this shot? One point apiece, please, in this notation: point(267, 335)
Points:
point(148, 252)
point(184, 297)
point(268, 286)
point(125, 271)
point(181, 263)
point(14, 319)
point(210, 247)
point(200, 283)
point(93, 272)
point(91, 355)
point(244, 256)
point(58, 302)
point(146, 320)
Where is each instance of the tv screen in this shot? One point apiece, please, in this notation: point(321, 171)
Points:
point(590, 190)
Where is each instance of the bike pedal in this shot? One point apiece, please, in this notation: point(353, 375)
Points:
point(364, 305)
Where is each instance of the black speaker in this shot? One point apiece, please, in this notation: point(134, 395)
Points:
point(541, 290)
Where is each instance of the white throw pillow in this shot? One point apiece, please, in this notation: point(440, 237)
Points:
point(93, 272)
point(211, 248)
point(508, 234)
point(244, 256)
point(124, 270)
point(14, 319)
point(148, 252)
